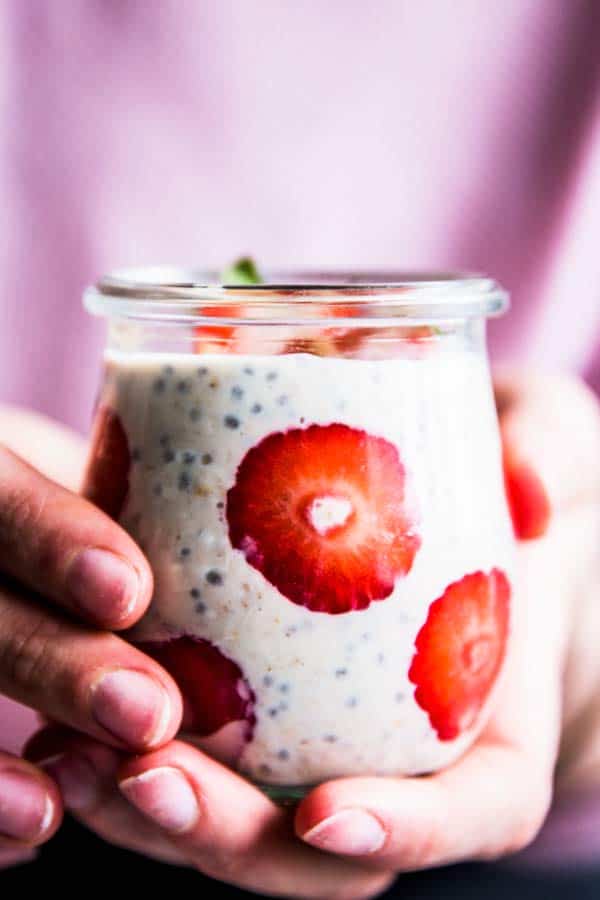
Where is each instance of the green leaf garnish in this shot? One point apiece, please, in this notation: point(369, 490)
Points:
point(242, 271)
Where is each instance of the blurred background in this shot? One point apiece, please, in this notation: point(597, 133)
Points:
point(430, 134)
point(427, 134)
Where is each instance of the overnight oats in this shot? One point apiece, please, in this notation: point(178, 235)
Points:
point(313, 470)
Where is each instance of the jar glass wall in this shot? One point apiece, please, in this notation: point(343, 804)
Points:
point(313, 469)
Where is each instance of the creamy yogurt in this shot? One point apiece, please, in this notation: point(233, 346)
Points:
point(331, 694)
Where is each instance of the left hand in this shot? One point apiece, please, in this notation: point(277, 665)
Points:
point(493, 801)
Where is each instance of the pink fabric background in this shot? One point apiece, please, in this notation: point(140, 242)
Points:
point(433, 134)
point(443, 133)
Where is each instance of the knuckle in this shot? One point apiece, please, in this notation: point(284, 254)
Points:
point(27, 655)
point(21, 512)
point(525, 825)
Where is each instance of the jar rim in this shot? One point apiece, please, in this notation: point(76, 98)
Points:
point(171, 292)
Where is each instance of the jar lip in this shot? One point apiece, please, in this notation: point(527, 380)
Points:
point(188, 293)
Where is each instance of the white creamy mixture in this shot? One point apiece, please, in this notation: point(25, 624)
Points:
point(332, 692)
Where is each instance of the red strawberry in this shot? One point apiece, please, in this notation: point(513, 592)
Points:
point(214, 690)
point(527, 498)
point(106, 481)
point(321, 513)
point(460, 650)
point(216, 338)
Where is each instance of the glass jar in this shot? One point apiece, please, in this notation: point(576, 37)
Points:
point(312, 466)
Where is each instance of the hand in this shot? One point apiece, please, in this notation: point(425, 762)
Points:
point(494, 800)
point(64, 564)
point(491, 802)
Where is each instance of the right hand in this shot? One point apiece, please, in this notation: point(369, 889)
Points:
point(68, 573)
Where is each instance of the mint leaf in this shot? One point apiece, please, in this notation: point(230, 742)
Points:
point(242, 271)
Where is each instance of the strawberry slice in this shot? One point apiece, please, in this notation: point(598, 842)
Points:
point(219, 338)
point(527, 497)
point(216, 338)
point(321, 513)
point(106, 481)
point(214, 690)
point(460, 650)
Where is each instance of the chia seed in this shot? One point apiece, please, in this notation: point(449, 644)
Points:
point(159, 385)
point(264, 769)
point(283, 754)
point(189, 458)
point(273, 712)
point(256, 408)
point(268, 680)
point(157, 490)
point(330, 738)
point(340, 673)
point(184, 482)
point(206, 459)
point(220, 504)
point(271, 376)
point(213, 577)
point(282, 400)
point(183, 387)
point(168, 456)
point(184, 552)
point(195, 593)
point(231, 422)
point(136, 455)
point(237, 392)
point(248, 370)
point(284, 688)
point(202, 371)
point(164, 440)
point(168, 370)
point(200, 607)
point(195, 414)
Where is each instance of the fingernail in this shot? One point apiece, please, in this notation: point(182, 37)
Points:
point(132, 706)
point(165, 796)
point(26, 809)
point(351, 831)
point(77, 780)
point(102, 585)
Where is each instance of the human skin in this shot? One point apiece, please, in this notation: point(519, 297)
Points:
point(68, 574)
point(543, 733)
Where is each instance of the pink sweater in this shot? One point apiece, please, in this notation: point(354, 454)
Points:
point(437, 134)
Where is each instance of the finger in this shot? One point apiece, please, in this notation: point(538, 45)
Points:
point(30, 807)
point(550, 429)
point(494, 800)
point(16, 857)
point(50, 447)
point(231, 831)
point(91, 680)
point(85, 772)
point(63, 547)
